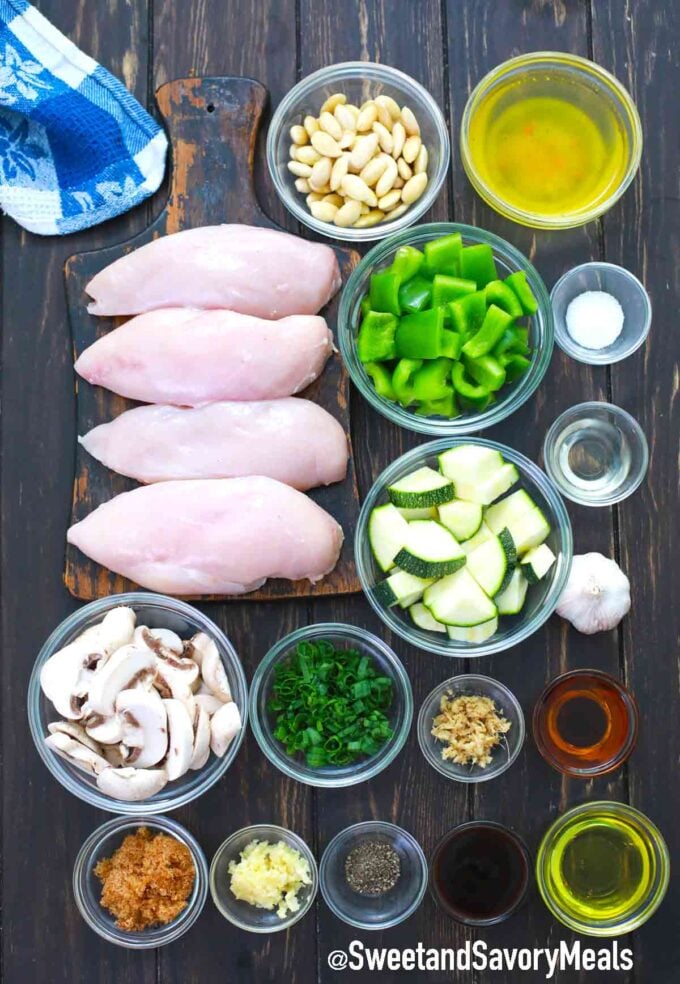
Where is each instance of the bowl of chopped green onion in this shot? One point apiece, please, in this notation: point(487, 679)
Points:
point(331, 705)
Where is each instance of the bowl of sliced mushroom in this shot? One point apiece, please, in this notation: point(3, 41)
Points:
point(358, 151)
point(137, 703)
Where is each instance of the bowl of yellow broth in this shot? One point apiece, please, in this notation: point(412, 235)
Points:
point(550, 140)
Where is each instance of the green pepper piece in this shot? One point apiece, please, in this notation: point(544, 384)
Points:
point(495, 323)
point(376, 337)
point(446, 288)
point(467, 313)
point(525, 295)
point(365, 305)
point(466, 388)
point(445, 407)
point(451, 345)
point(382, 380)
point(477, 403)
point(477, 263)
point(443, 255)
point(515, 366)
point(504, 297)
point(514, 340)
point(432, 381)
point(487, 371)
point(419, 336)
point(407, 262)
point(384, 292)
point(415, 295)
point(402, 380)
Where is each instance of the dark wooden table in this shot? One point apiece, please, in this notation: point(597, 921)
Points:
point(447, 46)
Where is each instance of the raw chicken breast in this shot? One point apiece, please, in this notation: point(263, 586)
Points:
point(191, 357)
point(292, 440)
point(255, 271)
point(219, 536)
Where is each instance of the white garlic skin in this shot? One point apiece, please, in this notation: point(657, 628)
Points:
point(597, 595)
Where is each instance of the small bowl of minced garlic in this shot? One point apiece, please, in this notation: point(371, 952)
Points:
point(358, 151)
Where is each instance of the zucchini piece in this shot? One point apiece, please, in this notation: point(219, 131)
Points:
point(426, 512)
point(470, 463)
point(480, 537)
point(401, 588)
point(511, 599)
point(474, 634)
point(489, 489)
point(537, 563)
point(424, 619)
point(463, 519)
point(488, 565)
point(508, 545)
point(387, 534)
point(430, 550)
point(522, 517)
point(424, 487)
point(459, 600)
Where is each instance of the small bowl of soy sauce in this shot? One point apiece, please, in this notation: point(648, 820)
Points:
point(479, 873)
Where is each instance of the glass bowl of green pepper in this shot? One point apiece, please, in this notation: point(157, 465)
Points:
point(331, 705)
point(446, 329)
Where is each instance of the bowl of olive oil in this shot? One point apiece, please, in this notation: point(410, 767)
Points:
point(550, 140)
point(603, 869)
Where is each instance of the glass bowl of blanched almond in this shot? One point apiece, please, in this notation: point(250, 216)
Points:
point(358, 151)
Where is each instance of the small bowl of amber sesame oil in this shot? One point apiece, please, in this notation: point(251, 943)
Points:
point(550, 140)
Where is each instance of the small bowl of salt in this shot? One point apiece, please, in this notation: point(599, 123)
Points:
point(602, 313)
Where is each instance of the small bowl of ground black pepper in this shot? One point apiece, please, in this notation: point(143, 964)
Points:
point(331, 705)
point(140, 883)
point(373, 875)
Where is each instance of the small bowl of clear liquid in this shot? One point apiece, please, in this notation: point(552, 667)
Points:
point(596, 454)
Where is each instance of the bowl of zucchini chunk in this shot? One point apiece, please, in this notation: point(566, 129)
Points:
point(463, 547)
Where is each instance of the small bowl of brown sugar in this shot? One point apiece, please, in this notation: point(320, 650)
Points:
point(140, 883)
point(471, 728)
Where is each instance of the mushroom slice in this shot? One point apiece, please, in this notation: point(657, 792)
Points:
point(164, 642)
point(117, 629)
point(213, 672)
point(144, 724)
point(117, 755)
point(208, 702)
point(76, 753)
point(75, 731)
point(201, 749)
point(105, 730)
point(224, 724)
point(66, 676)
point(180, 739)
point(175, 676)
point(125, 668)
point(131, 784)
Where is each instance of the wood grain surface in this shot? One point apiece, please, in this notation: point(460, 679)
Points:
point(447, 46)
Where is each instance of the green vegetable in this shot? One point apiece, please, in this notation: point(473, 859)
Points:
point(446, 288)
point(494, 324)
point(443, 255)
point(419, 336)
point(402, 380)
point(384, 292)
point(487, 371)
point(415, 295)
point(513, 341)
point(503, 296)
point(467, 313)
point(466, 388)
point(451, 344)
point(407, 262)
point(376, 337)
point(433, 380)
point(525, 295)
point(382, 380)
point(515, 366)
point(329, 705)
point(445, 407)
point(477, 263)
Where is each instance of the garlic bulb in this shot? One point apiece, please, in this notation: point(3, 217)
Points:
point(597, 595)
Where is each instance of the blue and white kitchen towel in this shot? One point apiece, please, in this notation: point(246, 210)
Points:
point(75, 147)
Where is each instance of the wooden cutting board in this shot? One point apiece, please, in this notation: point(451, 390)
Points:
point(212, 125)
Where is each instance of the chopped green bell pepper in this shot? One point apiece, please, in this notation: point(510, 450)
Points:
point(407, 262)
point(419, 336)
point(382, 380)
point(384, 292)
point(433, 380)
point(495, 323)
point(515, 366)
point(365, 305)
point(518, 282)
point(477, 403)
point(415, 295)
point(504, 297)
point(514, 340)
point(466, 388)
point(467, 313)
point(376, 337)
point(446, 407)
point(486, 371)
point(477, 263)
point(402, 380)
point(446, 288)
point(443, 255)
point(451, 345)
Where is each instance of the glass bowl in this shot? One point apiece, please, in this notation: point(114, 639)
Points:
point(637, 829)
point(401, 712)
point(507, 705)
point(359, 81)
point(512, 396)
point(601, 96)
point(87, 888)
point(596, 454)
point(373, 912)
point(541, 599)
point(628, 291)
point(243, 914)
point(156, 611)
